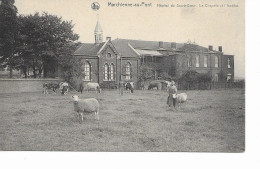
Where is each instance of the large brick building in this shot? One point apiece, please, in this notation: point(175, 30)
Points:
point(113, 60)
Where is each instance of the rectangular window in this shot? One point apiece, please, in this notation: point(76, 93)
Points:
point(197, 61)
point(205, 61)
point(189, 62)
point(229, 66)
point(216, 78)
point(216, 61)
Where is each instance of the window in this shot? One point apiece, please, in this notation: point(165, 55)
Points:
point(87, 71)
point(128, 71)
point(197, 61)
point(216, 61)
point(106, 72)
point(108, 55)
point(112, 72)
point(216, 78)
point(205, 61)
point(100, 37)
point(229, 66)
point(190, 62)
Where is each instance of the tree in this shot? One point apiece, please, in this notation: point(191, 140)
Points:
point(146, 73)
point(71, 67)
point(190, 77)
point(8, 34)
point(46, 43)
point(204, 79)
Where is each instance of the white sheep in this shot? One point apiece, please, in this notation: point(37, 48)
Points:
point(85, 105)
point(180, 98)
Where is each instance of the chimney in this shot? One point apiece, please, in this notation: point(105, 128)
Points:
point(108, 38)
point(220, 48)
point(173, 45)
point(210, 48)
point(160, 44)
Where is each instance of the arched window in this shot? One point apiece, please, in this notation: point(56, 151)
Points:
point(87, 71)
point(112, 68)
point(197, 61)
point(216, 61)
point(106, 72)
point(128, 71)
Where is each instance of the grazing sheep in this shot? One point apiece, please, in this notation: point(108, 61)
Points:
point(93, 85)
point(87, 105)
point(180, 98)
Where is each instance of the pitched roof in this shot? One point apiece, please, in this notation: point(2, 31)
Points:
point(89, 49)
point(141, 44)
point(148, 52)
point(123, 48)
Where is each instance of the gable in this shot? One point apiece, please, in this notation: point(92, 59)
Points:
point(108, 52)
point(108, 47)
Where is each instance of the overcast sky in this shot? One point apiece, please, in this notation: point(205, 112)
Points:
point(215, 26)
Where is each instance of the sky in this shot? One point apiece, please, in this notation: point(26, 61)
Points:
point(216, 26)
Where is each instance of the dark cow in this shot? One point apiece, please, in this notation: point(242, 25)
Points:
point(64, 90)
point(154, 84)
point(50, 86)
point(129, 86)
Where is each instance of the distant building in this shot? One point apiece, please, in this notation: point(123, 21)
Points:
point(113, 60)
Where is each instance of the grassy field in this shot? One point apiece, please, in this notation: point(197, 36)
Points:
point(210, 121)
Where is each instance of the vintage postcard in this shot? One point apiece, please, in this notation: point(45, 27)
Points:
point(122, 75)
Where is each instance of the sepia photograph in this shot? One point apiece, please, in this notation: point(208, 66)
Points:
point(122, 75)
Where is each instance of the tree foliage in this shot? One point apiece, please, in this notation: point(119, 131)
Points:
point(46, 42)
point(8, 34)
point(146, 73)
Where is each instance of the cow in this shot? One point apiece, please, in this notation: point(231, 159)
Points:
point(93, 86)
point(180, 98)
point(155, 84)
point(64, 87)
point(130, 86)
point(50, 86)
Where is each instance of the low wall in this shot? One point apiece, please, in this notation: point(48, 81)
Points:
point(24, 85)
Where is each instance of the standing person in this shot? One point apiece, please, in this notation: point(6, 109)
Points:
point(171, 89)
point(81, 87)
point(121, 87)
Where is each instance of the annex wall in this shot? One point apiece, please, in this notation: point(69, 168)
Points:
point(24, 85)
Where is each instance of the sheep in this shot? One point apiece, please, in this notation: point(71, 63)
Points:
point(87, 105)
point(93, 85)
point(180, 98)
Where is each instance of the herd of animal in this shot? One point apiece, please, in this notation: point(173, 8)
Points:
point(91, 105)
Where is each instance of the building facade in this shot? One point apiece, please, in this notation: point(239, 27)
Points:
point(110, 61)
